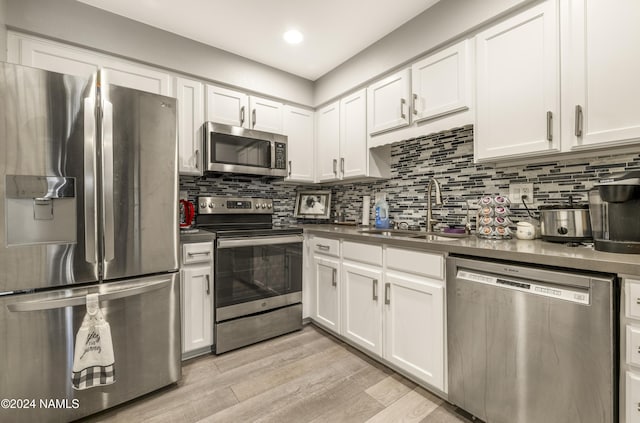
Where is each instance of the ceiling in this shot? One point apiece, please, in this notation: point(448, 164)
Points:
point(334, 30)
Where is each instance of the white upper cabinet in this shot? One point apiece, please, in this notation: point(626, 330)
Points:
point(239, 109)
point(57, 57)
point(353, 135)
point(388, 102)
point(190, 96)
point(298, 126)
point(266, 115)
point(518, 85)
point(328, 142)
point(601, 92)
point(440, 83)
point(227, 106)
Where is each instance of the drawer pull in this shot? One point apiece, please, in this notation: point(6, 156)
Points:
point(375, 290)
point(387, 293)
point(639, 406)
point(638, 301)
point(203, 253)
point(334, 279)
point(323, 247)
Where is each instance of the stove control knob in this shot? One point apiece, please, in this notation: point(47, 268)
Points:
point(211, 205)
point(257, 206)
point(269, 205)
point(203, 205)
point(264, 206)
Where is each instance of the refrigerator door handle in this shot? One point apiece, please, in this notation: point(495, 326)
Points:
point(78, 300)
point(107, 179)
point(90, 180)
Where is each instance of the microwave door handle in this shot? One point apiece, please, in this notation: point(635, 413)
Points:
point(90, 180)
point(107, 180)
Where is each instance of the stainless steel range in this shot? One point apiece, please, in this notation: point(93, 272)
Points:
point(258, 271)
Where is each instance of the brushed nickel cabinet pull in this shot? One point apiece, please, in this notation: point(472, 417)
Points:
point(253, 117)
point(334, 274)
point(413, 105)
point(402, 113)
point(208, 285)
point(579, 122)
point(637, 300)
point(335, 167)
point(375, 290)
point(323, 247)
point(342, 165)
point(290, 167)
point(387, 293)
point(197, 159)
point(241, 115)
point(549, 126)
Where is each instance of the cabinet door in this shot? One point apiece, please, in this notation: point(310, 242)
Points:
point(266, 115)
point(328, 142)
point(353, 135)
point(603, 101)
point(632, 397)
point(190, 95)
point(197, 307)
point(298, 127)
point(227, 106)
point(327, 284)
point(388, 102)
point(518, 85)
point(138, 77)
point(51, 56)
point(414, 326)
point(362, 306)
point(440, 83)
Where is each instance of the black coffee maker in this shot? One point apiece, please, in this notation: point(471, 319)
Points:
point(614, 206)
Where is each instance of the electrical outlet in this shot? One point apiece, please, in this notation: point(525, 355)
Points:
point(516, 191)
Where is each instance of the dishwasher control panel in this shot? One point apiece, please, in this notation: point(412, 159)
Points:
point(576, 295)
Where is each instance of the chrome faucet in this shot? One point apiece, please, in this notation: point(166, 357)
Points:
point(431, 222)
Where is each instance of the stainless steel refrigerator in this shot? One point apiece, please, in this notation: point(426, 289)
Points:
point(88, 204)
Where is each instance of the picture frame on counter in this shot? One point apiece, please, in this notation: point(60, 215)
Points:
point(313, 204)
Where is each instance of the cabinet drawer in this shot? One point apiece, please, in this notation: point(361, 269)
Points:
point(633, 298)
point(197, 252)
point(365, 253)
point(418, 262)
point(326, 246)
point(633, 345)
point(633, 397)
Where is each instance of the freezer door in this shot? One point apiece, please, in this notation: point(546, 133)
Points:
point(140, 182)
point(38, 338)
point(47, 173)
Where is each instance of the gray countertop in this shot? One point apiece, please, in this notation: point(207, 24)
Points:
point(534, 251)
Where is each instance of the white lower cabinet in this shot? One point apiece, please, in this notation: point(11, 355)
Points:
point(633, 397)
point(327, 299)
point(414, 326)
point(387, 301)
point(197, 299)
point(362, 305)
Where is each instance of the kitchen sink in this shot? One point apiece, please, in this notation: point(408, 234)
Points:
point(389, 233)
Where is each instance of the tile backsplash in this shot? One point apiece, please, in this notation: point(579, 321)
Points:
point(447, 156)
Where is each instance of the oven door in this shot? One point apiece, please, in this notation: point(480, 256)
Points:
point(255, 274)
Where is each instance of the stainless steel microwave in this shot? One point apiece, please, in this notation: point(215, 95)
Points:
point(233, 149)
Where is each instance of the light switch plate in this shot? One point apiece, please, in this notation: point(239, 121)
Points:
point(516, 191)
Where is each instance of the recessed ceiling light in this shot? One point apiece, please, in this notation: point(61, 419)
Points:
point(293, 37)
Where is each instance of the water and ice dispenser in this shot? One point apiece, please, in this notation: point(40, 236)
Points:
point(614, 205)
point(40, 210)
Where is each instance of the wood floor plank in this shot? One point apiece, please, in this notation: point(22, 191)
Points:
point(389, 390)
point(307, 376)
point(412, 407)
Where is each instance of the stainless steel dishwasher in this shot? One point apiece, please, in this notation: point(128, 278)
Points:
point(530, 345)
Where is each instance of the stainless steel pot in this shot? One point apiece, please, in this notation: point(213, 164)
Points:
point(565, 223)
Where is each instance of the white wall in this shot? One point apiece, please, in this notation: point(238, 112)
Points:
point(437, 26)
point(3, 30)
point(77, 23)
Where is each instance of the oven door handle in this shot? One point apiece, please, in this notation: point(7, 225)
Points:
point(256, 241)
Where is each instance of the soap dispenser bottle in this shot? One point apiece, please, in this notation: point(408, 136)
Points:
point(382, 211)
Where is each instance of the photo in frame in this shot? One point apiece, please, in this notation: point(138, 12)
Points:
point(313, 204)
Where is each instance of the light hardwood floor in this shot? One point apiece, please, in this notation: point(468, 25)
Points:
point(306, 376)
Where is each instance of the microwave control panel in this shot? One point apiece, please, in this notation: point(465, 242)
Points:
point(281, 155)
